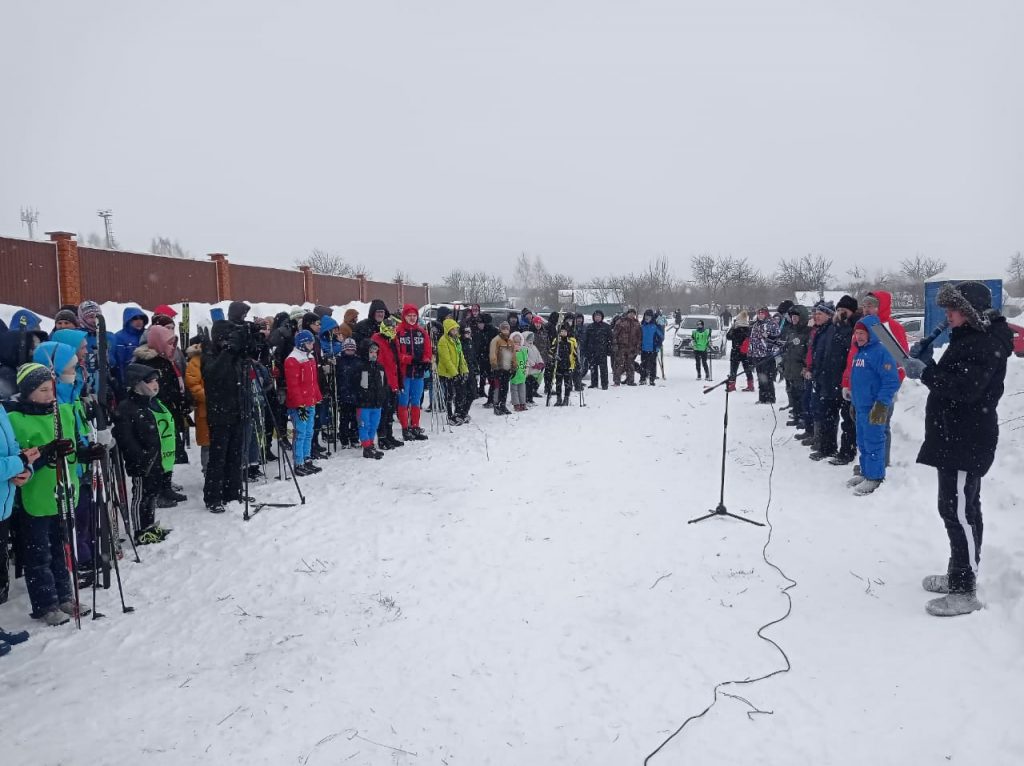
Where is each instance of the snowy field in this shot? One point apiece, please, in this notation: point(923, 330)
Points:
point(526, 591)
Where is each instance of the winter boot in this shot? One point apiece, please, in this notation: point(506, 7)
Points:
point(312, 467)
point(393, 443)
point(854, 481)
point(867, 486)
point(255, 472)
point(730, 386)
point(300, 470)
point(418, 435)
point(953, 604)
point(819, 455)
point(936, 583)
point(750, 386)
point(219, 507)
point(54, 617)
point(68, 607)
point(165, 501)
point(841, 459)
point(372, 454)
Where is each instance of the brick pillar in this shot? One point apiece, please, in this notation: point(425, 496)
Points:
point(401, 292)
point(69, 268)
point(223, 276)
point(362, 287)
point(308, 286)
point(426, 292)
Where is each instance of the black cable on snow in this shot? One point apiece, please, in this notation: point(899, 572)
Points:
point(760, 631)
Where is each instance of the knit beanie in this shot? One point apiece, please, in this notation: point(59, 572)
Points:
point(64, 315)
point(825, 307)
point(31, 376)
point(348, 343)
point(847, 302)
point(869, 301)
point(87, 313)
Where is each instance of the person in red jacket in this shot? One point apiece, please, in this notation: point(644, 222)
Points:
point(387, 357)
point(302, 395)
point(415, 354)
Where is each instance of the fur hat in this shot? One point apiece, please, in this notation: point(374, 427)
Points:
point(972, 299)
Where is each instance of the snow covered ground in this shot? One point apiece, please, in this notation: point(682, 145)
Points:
point(527, 591)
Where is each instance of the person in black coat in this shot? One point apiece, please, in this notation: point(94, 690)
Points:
point(738, 335)
point(486, 332)
point(961, 431)
point(365, 328)
point(138, 439)
point(372, 395)
point(348, 369)
point(597, 347)
point(223, 365)
point(831, 350)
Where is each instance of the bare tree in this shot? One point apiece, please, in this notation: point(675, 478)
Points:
point(401, 276)
point(475, 286)
point(165, 246)
point(95, 240)
point(323, 262)
point(807, 273)
point(1016, 273)
point(921, 269)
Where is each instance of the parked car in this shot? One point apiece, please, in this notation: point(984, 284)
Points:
point(1018, 338)
point(682, 344)
point(914, 325)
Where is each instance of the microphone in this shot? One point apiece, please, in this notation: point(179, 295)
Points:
point(925, 343)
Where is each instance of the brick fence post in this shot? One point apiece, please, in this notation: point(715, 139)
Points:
point(362, 287)
point(220, 260)
point(308, 287)
point(69, 268)
point(426, 293)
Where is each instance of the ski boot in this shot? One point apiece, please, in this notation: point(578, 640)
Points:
point(953, 604)
point(372, 454)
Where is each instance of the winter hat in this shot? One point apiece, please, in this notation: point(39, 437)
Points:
point(825, 307)
point(662, 320)
point(847, 302)
point(700, 324)
point(348, 343)
point(538, 320)
point(504, 327)
point(351, 316)
point(166, 310)
point(303, 336)
point(631, 310)
point(869, 301)
point(972, 299)
point(308, 318)
point(162, 320)
point(66, 316)
point(784, 307)
point(553, 317)
point(322, 311)
point(296, 314)
point(136, 373)
point(486, 319)
point(597, 314)
point(87, 313)
point(162, 340)
point(31, 376)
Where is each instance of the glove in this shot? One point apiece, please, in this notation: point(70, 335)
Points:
point(922, 352)
point(57, 448)
point(914, 367)
point(91, 453)
point(846, 394)
point(303, 413)
point(104, 437)
point(878, 414)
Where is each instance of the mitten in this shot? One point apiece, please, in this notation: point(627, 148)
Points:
point(90, 453)
point(922, 352)
point(878, 414)
point(303, 413)
point(914, 367)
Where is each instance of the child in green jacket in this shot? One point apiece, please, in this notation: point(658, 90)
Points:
point(453, 370)
point(517, 383)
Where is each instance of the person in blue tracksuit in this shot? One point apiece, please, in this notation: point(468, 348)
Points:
point(651, 337)
point(127, 339)
point(874, 381)
point(15, 470)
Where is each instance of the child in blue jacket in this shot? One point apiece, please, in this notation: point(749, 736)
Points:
point(874, 381)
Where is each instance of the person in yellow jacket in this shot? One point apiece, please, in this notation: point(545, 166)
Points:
point(503, 359)
point(453, 371)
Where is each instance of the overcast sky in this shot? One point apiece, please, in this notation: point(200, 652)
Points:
point(596, 134)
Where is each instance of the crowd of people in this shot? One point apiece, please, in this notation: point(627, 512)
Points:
point(843, 365)
point(80, 405)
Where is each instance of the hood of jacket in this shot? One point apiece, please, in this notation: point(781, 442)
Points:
point(31, 321)
point(804, 314)
point(869, 323)
point(449, 324)
point(327, 325)
point(162, 340)
point(130, 314)
point(308, 319)
point(71, 338)
point(377, 305)
point(884, 304)
point(54, 356)
point(408, 308)
point(237, 311)
point(351, 316)
point(14, 344)
point(196, 349)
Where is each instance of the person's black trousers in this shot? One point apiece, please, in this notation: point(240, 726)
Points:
point(648, 366)
point(700, 358)
point(599, 370)
point(348, 424)
point(848, 438)
point(386, 429)
point(766, 369)
point(224, 467)
point(960, 509)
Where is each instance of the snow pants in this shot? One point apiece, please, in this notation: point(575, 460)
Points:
point(348, 424)
point(648, 366)
point(871, 443)
point(369, 422)
point(303, 439)
point(766, 370)
point(46, 573)
point(700, 359)
point(409, 400)
point(224, 468)
point(599, 370)
point(960, 509)
point(795, 397)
